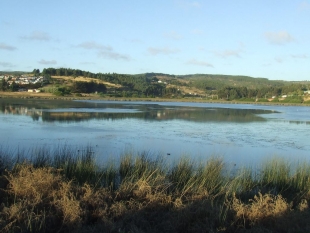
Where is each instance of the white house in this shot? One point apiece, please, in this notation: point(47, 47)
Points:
point(34, 90)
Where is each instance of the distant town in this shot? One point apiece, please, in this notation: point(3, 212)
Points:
point(24, 79)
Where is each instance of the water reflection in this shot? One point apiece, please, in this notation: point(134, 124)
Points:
point(240, 133)
point(300, 122)
point(75, 111)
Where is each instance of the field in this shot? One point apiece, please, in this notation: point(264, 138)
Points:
point(62, 190)
point(69, 79)
point(26, 95)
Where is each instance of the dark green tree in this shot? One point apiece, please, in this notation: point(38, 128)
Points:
point(36, 72)
point(3, 85)
point(13, 86)
point(88, 87)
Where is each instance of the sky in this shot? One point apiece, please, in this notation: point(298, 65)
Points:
point(257, 38)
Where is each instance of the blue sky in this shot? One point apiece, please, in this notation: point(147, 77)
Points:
point(266, 38)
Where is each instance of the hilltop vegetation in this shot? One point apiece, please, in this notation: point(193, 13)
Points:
point(65, 81)
point(213, 82)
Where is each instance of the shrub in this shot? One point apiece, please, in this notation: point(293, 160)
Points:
point(293, 99)
point(262, 100)
point(61, 91)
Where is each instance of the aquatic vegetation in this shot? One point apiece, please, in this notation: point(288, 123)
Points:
point(65, 189)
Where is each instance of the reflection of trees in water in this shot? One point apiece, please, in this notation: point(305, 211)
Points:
point(35, 114)
point(300, 122)
point(196, 115)
point(221, 115)
point(147, 112)
point(83, 116)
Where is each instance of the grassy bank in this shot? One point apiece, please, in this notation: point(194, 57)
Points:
point(65, 190)
point(31, 95)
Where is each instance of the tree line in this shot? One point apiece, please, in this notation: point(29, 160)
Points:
point(140, 85)
point(231, 93)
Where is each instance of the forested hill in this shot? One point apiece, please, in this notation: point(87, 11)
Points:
point(227, 87)
point(218, 81)
point(13, 73)
point(140, 81)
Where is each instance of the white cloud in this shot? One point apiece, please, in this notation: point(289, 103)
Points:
point(137, 41)
point(87, 63)
point(279, 59)
point(94, 45)
point(103, 51)
point(281, 37)
point(199, 63)
point(6, 64)
point(37, 35)
point(6, 23)
point(228, 53)
point(266, 64)
point(44, 62)
point(197, 32)
point(113, 55)
point(187, 4)
point(7, 47)
point(164, 51)
point(304, 6)
point(195, 4)
point(300, 56)
point(173, 35)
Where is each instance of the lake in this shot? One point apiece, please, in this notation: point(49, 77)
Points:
point(242, 134)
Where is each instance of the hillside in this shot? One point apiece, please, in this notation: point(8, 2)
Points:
point(214, 81)
point(65, 81)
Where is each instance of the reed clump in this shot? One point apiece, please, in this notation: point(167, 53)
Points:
point(67, 190)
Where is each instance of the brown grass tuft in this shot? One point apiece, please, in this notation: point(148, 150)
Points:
point(66, 203)
point(40, 201)
point(261, 208)
point(33, 184)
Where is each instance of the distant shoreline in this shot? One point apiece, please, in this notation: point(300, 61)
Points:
point(49, 96)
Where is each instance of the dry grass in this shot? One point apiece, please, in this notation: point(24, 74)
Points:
point(270, 213)
point(84, 79)
point(40, 200)
point(259, 209)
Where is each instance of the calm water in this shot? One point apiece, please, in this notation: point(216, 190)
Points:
point(241, 134)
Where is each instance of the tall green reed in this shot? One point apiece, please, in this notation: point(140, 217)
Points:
point(185, 176)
